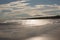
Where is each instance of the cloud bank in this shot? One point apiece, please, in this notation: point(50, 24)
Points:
point(15, 9)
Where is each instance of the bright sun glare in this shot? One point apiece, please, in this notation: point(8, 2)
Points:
point(39, 38)
point(34, 22)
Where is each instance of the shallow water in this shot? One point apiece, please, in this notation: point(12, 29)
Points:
point(49, 29)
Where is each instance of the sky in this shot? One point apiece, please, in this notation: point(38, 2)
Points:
point(28, 8)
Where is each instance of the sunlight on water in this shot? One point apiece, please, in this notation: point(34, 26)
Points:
point(35, 22)
point(41, 38)
point(29, 29)
point(31, 22)
point(36, 38)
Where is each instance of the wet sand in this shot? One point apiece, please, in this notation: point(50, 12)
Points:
point(20, 32)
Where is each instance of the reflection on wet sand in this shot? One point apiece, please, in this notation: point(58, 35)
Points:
point(41, 38)
point(49, 31)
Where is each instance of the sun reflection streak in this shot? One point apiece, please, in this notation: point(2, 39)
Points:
point(41, 38)
point(34, 22)
point(37, 38)
point(31, 22)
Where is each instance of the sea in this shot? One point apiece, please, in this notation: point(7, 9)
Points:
point(40, 29)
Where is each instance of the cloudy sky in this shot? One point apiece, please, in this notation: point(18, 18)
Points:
point(28, 8)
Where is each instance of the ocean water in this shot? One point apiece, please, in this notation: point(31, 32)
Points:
point(41, 29)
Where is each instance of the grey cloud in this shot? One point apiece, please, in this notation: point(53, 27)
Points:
point(23, 9)
point(2, 12)
point(54, 12)
point(5, 11)
point(15, 8)
point(23, 15)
